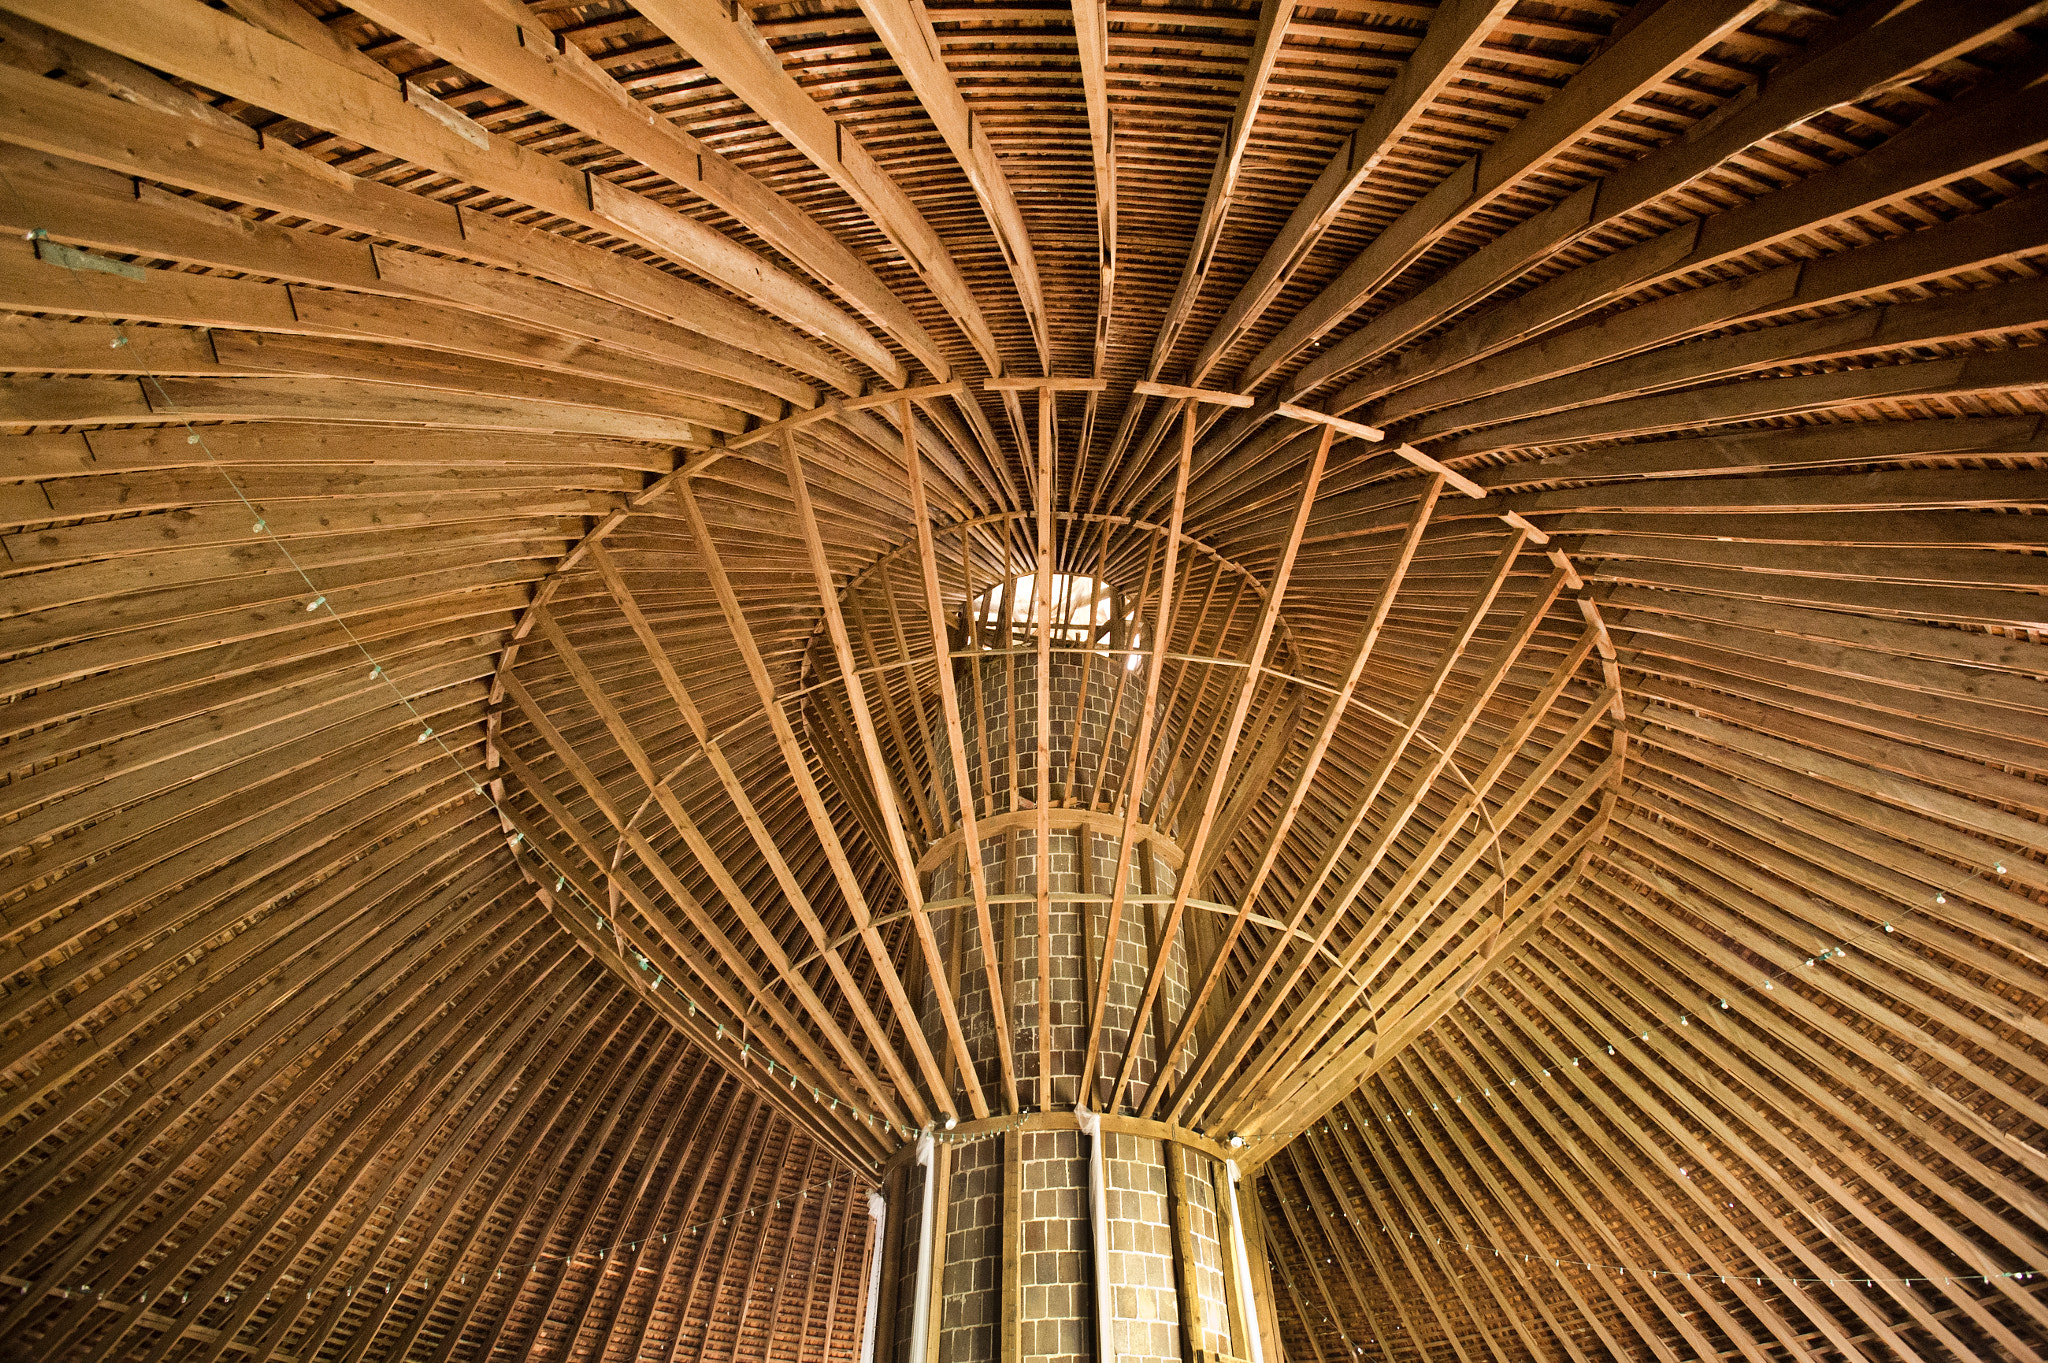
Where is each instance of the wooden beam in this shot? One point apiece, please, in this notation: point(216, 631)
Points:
point(771, 852)
point(1289, 1041)
point(1137, 768)
point(733, 52)
point(1261, 636)
point(1045, 385)
point(1455, 32)
point(814, 806)
point(1297, 798)
point(1419, 708)
point(898, 844)
point(215, 50)
point(1173, 390)
point(992, 952)
point(1092, 54)
point(1855, 57)
point(549, 71)
point(737, 900)
point(1637, 61)
point(905, 27)
point(1267, 40)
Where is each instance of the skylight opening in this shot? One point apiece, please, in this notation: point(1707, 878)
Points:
point(1080, 611)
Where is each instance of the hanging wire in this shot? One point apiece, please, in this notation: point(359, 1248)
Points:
point(743, 1049)
point(320, 602)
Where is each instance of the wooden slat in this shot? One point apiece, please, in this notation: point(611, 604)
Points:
point(503, 329)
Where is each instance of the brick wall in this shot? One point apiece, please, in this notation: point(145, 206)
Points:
point(1058, 1257)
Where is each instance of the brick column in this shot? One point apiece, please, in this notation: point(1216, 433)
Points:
point(1021, 1266)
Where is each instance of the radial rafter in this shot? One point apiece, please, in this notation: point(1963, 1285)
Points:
point(1607, 809)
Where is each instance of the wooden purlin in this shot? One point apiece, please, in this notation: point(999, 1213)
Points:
point(785, 878)
point(306, 1043)
point(206, 46)
point(1332, 855)
point(906, 27)
point(909, 882)
point(480, 39)
point(1139, 761)
point(733, 52)
point(1636, 61)
point(963, 783)
point(1405, 800)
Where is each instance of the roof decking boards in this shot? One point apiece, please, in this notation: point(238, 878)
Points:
point(486, 484)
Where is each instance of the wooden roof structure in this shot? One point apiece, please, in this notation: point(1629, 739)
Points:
point(486, 481)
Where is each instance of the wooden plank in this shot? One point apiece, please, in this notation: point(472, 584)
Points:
point(949, 700)
point(1209, 395)
point(59, 120)
point(551, 72)
point(1275, 18)
point(1297, 799)
point(1635, 62)
point(1045, 385)
point(727, 45)
point(1453, 36)
point(820, 820)
point(905, 26)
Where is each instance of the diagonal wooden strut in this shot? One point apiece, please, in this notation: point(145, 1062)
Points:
point(1139, 762)
point(813, 801)
point(1247, 688)
point(1304, 782)
point(878, 772)
point(1418, 712)
point(771, 852)
point(956, 746)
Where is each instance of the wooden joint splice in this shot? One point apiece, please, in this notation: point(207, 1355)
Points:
point(463, 126)
point(1041, 385)
point(957, 388)
point(1515, 519)
point(1147, 388)
point(1564, 565)
point(1610, 664)
point(838, 407)
point(1451, 475)
point(1344, 425)
point(1405, 451)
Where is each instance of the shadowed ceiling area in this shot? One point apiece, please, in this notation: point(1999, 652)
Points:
point(576, 575)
